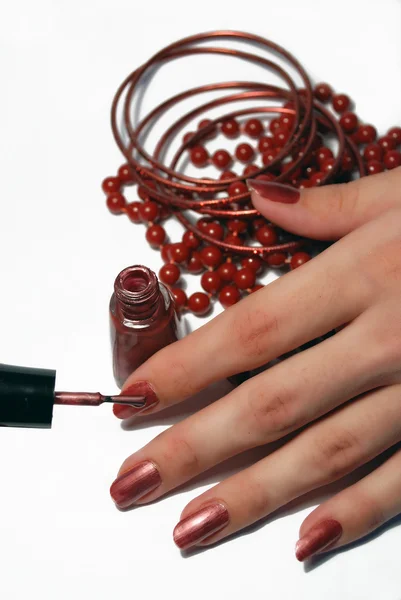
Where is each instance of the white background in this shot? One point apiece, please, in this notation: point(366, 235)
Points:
point(60, 535)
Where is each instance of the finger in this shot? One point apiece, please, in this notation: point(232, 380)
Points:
point(328, 212)
point(354, 512)
point(323, 453)
point(264, 409)
point(260, 328)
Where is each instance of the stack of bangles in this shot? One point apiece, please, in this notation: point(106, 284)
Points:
point(225, 239)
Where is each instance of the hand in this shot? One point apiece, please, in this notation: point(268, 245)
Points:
point(346, 390)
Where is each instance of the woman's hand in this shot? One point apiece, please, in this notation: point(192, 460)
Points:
point(356, 282)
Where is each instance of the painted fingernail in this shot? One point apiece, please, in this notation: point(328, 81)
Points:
point(276, 192)
point(139, 388)
point(319, 538)
point(200, 525)
point(135, 483)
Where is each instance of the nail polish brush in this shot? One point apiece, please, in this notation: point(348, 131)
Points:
point(27, 397)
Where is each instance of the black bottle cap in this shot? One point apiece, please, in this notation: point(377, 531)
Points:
point(26, 396)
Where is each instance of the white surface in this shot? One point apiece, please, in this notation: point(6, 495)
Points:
point(60, 535)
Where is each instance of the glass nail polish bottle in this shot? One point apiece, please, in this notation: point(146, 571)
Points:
point(143, 319)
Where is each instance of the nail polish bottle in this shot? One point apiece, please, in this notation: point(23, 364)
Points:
point(143, 319)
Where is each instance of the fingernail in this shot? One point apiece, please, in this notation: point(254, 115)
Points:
point(276, 192)
point(200, 525)
point(135, 483)
point(139, 388)
point(320, 537)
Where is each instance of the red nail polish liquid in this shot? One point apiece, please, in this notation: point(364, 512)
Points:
point(143, 319)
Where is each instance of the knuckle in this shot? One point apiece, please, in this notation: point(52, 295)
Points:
point(181, 453)
point(336, 455)
point(272, 413)
point(346, 198)
point(253, 330)
point(371, 513)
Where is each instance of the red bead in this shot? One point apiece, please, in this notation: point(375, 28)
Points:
point(115, 203)
point(244, 153)
point(149, 211)
point(211, 282)
point(143, 192)
point(164, 212)
point(274, 124)
point(230, 128)
point(349, 121)
point(395, 132)
point(374, 167)
point(327, 165)
point(317, 178)
point(180, 297)
point(253, 128)
point(205, 123)
point(214, 230)
point(252, 262)
point(111, 184)
point(269, 156)
point(155, 235)
point(227, 271)
point(203, 223)
point(233, 239)
point(125, 174)
point(281, 136)
point(133, 213)
point(179, 252)
point(169, 274)
point(250, 170)
point(258, 222)
point(165, 253)
point(373, 152)
point(245, 278)
point(221, 159)
point(190, 240)
point(287, 121)
point(392, 159)
point(199, 303)
point(276, 259)
point(199, 156)
point(303, 184)
point(387, 143)
point(323, 154)
point(211, 256)
point(341, 102)
point(300, 258)
point(229, 295)
point(195, 264)
point(266, 235)
point(347, 161)
point(323, 92)
point(187, 137)
point(237, 226)
point(266, 177)
point(366, 134)
point(256, 288)
point(265, 143)
point(227, 175)
point(237, 188)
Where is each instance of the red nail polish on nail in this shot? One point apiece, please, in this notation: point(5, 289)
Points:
point(200, 525)
point(139, 388)
point(319, 538)
point(135, 483)
point(276, 192)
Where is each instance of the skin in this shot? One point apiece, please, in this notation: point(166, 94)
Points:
point(355, 282)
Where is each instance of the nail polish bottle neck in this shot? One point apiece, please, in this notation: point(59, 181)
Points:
point(137, 293)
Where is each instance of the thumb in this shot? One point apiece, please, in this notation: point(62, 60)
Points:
point(328, 212)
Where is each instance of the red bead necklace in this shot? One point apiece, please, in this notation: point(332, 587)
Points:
point(225, 239)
